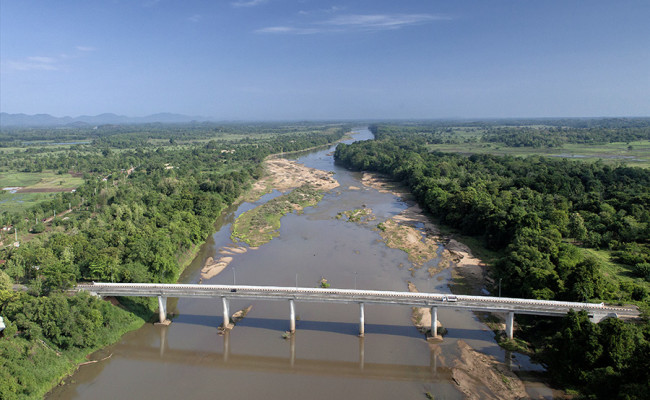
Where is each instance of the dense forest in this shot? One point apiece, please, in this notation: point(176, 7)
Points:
point(543, 215)
point(558, 136)
point(516, 133)
point(144, 206)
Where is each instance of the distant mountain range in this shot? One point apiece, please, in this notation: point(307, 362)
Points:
point(42, 120)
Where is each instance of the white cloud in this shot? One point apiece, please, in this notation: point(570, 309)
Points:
point(42, 60)
point(288, 30)
point(331, 10)
point(33, 64)
point(249, 3)
point(381, 21)
point(46, 63)
point(358, 22)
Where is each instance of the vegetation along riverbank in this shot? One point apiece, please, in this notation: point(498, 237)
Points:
point(544, 217)
point(149, 198)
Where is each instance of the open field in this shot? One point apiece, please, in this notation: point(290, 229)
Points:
point(635, 154)
point(29, 188)
point(613, 270)
point(17, 202)
point(44, 145)
point(42, 181)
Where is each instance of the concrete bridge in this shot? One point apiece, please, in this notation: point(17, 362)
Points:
point(509, 306)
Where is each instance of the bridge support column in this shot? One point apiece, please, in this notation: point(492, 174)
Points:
point(434, 322)
point(510, 321)
point(226, 312)
point(162, 309)
point(292, 316)
point(362, 320)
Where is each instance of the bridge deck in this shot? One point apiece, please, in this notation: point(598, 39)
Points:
point(329, 295)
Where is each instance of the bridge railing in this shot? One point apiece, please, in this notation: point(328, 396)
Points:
point(507, 305)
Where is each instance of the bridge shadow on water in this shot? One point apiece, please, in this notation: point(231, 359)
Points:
point(281, 325)
point(347, 328)
point(352, 365)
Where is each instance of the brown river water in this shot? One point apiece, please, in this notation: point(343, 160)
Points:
point(325, 359)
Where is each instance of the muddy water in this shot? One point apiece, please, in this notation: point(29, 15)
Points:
point(326, 359)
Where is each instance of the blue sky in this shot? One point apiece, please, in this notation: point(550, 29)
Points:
point(308, 59)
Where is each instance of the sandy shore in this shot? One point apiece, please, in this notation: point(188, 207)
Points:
point(476, 375)
point(284, 175)
point(479, 376)
point(412, 231)
point(383, 184)
point(213, 267)
point(421, 247)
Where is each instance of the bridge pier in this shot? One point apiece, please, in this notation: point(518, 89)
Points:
point(162, 309)
point(292, 316)
point(434, 322)
point(510, 322)
point(226, 312)
point(362, 322)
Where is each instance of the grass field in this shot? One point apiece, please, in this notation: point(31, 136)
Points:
point(40, 180)
point(16, 202)
point(636, 154)
point(44, 145)
point(36, 187)
point(614, 270)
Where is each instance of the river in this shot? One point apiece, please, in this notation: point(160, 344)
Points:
point(325, 359)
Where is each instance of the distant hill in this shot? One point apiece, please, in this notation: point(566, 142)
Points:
point(42, 120)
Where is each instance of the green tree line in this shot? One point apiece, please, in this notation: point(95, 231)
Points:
point(138, 210)
point(536, 212)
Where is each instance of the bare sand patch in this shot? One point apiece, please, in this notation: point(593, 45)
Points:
point(479, 376)
point(420, 249)
point(383, 184)
point(233, 320)
point(237, 250)
point(213, 267)
point(284, 175)
point(414, 215)
point(466, 266)
point(239, 315)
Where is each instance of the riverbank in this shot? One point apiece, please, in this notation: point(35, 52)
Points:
point(47, 365)
point(476, 375)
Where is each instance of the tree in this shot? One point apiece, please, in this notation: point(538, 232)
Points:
point(577, 226)
point(585, 281)
point(5, 281)
point(58, 277)
point(574, 348)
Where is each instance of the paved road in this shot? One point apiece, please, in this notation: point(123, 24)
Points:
point(329, 295)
